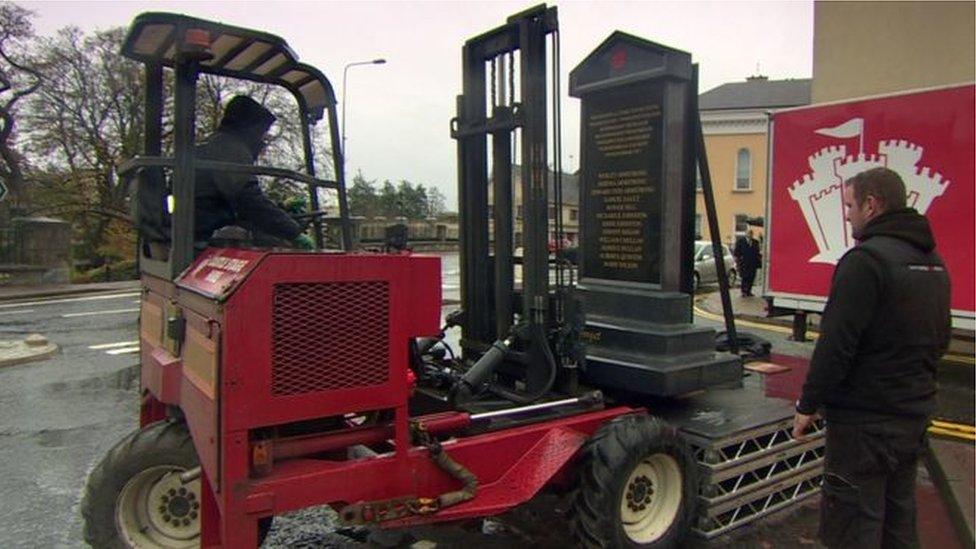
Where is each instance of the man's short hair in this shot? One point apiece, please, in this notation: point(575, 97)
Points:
point(883, 184)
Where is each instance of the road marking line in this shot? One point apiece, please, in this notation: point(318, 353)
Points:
point(68, 300)
point(960, 359)
point(19, 312)
point(112, 312)
point(812, 334)
point(762, 326)
point(951, 433)
point(112, 345)
point(124, 351)
point(953, 426)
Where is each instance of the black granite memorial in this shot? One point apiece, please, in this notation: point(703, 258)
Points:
point(637, 161)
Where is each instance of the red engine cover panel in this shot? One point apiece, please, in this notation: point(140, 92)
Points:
point(313, 335)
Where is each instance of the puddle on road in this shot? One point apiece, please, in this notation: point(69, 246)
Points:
point(60, 438)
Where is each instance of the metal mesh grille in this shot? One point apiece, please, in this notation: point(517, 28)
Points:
point(328, 336)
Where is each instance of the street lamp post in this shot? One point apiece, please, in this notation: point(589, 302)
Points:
point(345, 97)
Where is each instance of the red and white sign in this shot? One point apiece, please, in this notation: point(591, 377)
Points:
point(925, 136)
point(217, 271)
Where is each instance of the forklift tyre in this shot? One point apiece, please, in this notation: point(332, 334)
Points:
point(134, 497)
point(638, 486)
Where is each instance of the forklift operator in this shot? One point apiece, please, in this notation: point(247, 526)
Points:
point(226, 199)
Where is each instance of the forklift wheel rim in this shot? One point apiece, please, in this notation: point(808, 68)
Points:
point(651, 498)
point(156, 509)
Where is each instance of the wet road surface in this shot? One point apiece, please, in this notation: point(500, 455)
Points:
point(60, 415)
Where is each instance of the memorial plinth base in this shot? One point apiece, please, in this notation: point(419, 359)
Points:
point(642, 341)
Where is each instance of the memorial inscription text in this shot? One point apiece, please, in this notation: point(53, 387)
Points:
point(621, 185)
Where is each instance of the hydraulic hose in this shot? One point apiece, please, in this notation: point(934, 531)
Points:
point(481, 371)
point(521, 398)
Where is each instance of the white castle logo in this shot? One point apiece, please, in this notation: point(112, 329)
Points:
point(819, 193)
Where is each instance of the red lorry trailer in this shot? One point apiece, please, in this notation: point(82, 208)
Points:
point(924, 135)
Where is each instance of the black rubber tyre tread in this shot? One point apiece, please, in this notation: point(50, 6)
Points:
point(607, 461)
point(165, 442)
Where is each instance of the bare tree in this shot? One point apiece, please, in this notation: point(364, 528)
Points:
point(436, 202)
point(18, 79)
point(84, 121)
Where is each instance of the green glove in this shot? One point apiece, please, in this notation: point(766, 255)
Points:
point(303, 242)
point(295, 205)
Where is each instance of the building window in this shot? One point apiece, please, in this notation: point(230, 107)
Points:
point(518, 212)
point(743, 170)
point(698, 233)
point(552, 212)
point(698, 179)
point(740, 224)
point(573, 214)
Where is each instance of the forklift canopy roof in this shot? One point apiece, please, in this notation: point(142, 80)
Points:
point(234, 51)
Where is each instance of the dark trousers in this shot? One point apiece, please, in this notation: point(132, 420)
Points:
point(748, 278)
point(868, 497)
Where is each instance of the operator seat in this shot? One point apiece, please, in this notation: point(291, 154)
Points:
point(153, 220)
point(150, 212)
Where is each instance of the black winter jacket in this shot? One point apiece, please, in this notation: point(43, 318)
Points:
point(226, 198)
point(886, 324)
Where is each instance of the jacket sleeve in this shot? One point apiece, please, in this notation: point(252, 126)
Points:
point(248, 200)
point(253, 206)
point(855, 292)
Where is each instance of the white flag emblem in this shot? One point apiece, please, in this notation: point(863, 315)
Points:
point(852, 128)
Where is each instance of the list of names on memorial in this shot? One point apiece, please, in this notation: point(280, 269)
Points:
point(622, 210)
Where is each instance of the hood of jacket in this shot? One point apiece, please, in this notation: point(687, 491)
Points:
point(904, 224)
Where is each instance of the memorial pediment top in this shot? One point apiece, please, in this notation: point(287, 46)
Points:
point(625, 59)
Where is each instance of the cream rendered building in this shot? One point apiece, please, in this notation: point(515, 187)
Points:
point(735, 125)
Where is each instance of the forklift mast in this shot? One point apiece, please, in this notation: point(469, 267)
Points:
point(191, 47)
point(488, 293)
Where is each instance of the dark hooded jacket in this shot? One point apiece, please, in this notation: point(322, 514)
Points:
point(227, 198)
point(886, 324)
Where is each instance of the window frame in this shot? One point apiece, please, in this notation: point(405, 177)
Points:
point(735, 182)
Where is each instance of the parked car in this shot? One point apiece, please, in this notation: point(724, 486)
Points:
point(705, 272)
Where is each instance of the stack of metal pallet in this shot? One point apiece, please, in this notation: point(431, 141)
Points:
point(749, 464)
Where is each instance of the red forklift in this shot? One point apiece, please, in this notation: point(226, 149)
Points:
point(274, 380)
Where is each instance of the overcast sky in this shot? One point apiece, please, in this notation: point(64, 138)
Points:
point(398, 114)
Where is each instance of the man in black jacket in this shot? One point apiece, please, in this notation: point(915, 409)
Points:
point(226, 198)
point(873, 371)
point(748, 258)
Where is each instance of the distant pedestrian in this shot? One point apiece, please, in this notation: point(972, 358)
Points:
point(748, 258)
point(872, 375)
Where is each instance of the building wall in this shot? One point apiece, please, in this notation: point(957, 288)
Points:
point(722, 150)
point(869, 48)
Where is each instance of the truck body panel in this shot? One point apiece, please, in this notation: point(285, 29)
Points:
point(924, 135)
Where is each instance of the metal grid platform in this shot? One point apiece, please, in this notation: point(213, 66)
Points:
point(749, 463)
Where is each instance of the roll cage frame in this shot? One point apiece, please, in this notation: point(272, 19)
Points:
point(189, 47)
